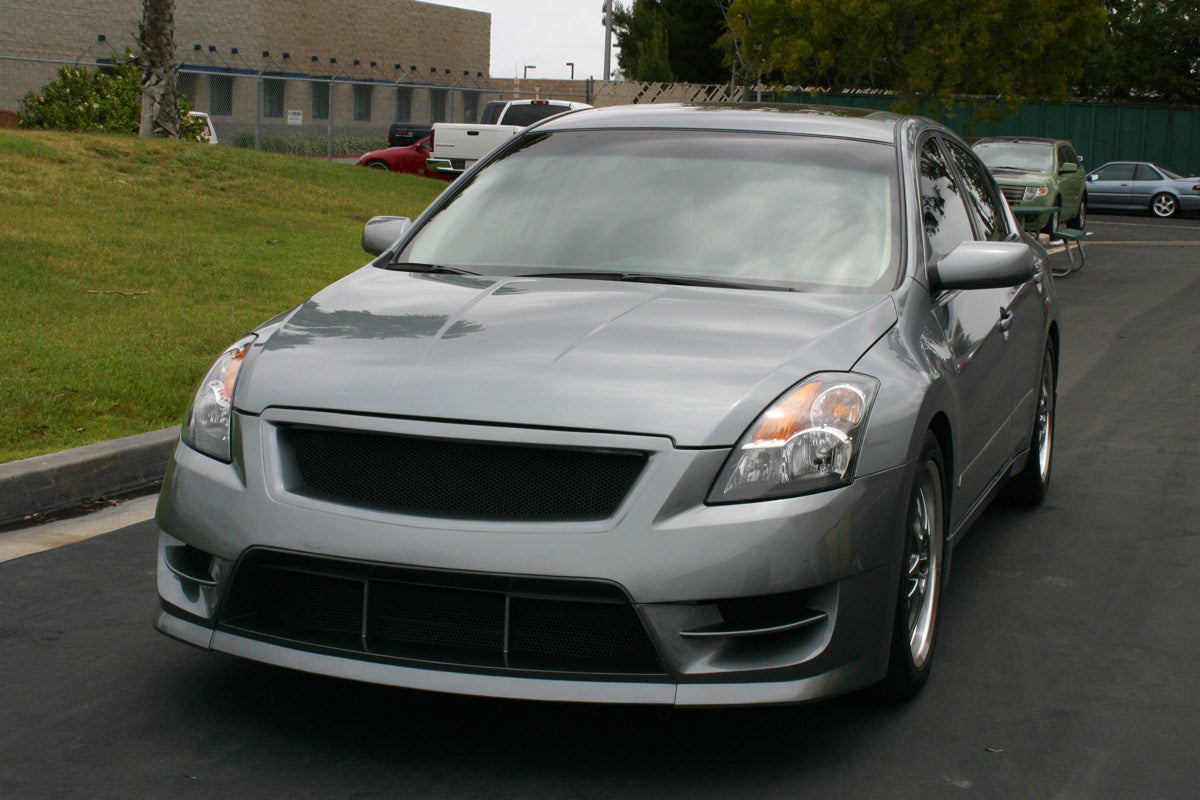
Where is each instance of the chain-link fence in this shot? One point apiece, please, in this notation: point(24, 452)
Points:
point(278, 106)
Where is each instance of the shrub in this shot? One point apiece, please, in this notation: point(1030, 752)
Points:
point(308, 145)
point(105, 100)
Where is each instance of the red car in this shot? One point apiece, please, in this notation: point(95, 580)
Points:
point(409, 159)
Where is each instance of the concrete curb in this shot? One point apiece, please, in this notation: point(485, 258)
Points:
point(60, 480)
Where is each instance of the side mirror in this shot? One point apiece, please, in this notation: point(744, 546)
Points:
point(983, 265)
point(1069, 167)
point(1093, 177)
point(380, 233)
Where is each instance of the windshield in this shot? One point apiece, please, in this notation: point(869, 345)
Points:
point(803, 212)
point(1025, 156)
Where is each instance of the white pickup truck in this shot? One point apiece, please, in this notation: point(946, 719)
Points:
point(457, 146)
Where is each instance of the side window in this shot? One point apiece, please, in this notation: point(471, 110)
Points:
point(1116, 172)
point(943, 210)
point(1067, 155)
point(980, 194)
point(1145, 173)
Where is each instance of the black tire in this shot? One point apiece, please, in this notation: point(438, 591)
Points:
point(923, 570)
point(1030, 485)
point(1052, 224)
point(377, 165)
point(1164, 205)
point(1080, 219)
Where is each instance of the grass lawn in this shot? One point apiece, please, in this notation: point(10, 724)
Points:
point(127, 265)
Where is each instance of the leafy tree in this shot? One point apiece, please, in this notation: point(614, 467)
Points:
point(927, 51)
point(680, 35)
point(653, 56)
point(1151, 51)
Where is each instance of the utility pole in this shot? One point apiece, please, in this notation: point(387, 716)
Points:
point(607, 40)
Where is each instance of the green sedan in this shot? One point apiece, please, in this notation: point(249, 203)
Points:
point(1038, 174)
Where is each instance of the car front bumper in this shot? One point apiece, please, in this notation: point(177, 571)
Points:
point(665, 554)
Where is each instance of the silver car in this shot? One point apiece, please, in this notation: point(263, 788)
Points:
point(661, 404)
point(1140, 185)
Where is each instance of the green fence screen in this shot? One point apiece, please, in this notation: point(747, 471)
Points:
point(1102, 132)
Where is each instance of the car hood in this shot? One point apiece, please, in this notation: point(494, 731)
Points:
point(694, 364)
point(1011, 177)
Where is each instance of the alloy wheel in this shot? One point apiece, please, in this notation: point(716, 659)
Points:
point(923, 563)
point(1163, 205)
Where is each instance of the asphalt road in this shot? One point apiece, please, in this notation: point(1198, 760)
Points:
point(1067, 665)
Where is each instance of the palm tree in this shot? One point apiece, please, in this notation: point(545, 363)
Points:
point(160, 71)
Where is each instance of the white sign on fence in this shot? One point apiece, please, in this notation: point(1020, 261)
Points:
point(295, 116)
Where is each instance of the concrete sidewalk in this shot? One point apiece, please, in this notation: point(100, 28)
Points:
point(53, 482)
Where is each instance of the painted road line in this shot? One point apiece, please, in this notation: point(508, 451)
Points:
point(1156, 226)
point(49, 535)
point(1181, 243)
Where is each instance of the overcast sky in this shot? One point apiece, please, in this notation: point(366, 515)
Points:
point(545, 34)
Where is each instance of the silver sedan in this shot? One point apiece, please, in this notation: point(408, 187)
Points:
point(661, 404)
point(1140, 186)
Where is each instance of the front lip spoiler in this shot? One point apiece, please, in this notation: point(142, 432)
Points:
point(848, 677)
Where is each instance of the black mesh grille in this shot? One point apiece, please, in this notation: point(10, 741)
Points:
point(1013, 193)
point(435, 616)
point(519, 624)
point(587, 633)
point(459, 479)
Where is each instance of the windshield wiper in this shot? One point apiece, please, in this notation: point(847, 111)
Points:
point(438, 269)
point(651, 277)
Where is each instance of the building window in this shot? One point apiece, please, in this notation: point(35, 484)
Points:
point(220, 94)
point(362, 100)
point(187, 87)
point(403, 104)
point(470, 101)
point(437, 104)
point(272, 89)
point(320, 99)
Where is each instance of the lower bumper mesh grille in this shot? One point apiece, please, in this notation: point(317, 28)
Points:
point(419, 616)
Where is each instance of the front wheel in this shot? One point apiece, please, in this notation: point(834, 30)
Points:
point(1164, 205)
point(378, 165)
point(1080, 218)
point(1029, 487)
point(1052, 223)
point(914, 630)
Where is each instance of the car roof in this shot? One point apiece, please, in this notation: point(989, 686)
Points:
point(1021, 140)
point(852, 123)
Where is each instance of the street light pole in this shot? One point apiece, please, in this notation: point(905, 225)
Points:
point(527, 68)
point(571, 64)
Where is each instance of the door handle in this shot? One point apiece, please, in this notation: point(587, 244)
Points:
point(1006, 320)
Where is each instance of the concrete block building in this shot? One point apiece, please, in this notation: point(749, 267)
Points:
point(281, 67)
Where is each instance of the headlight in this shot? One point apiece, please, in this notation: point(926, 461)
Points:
point(806, 442)
point(1034, 192)
point(207, 428)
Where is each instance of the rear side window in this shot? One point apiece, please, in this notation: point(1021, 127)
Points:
point(1145, 173)
point(532, 112)
point(980, 194)
point(943, 209)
